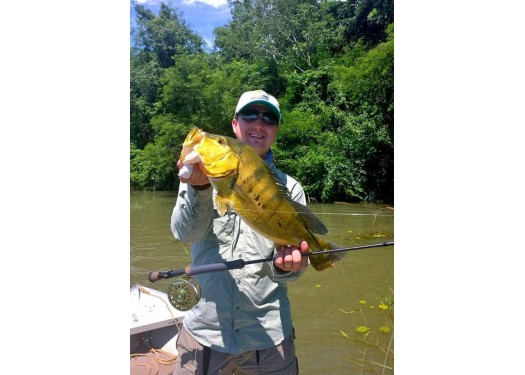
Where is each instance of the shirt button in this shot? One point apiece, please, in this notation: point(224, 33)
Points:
point(238, 281)
point(237, 330)
point(237, 308)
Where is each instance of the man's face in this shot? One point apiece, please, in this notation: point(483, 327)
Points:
point(258, 133)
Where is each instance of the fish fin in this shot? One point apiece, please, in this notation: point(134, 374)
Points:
point(321, 262)
point(222, 204)
point(281, 186)
point(313, 223)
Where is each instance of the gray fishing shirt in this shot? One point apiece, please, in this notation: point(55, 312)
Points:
point(244, 309)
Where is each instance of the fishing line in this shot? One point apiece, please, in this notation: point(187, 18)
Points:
point(347, 214)
point(323, 213)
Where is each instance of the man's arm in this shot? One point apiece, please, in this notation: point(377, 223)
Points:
point(193, 212)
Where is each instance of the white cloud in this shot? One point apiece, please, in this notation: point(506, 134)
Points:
point(213, 3)
point(148, 2)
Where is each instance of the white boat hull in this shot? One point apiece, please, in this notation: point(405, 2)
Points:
point(155, 325)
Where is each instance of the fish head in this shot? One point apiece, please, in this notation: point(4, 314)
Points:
point(215, 154)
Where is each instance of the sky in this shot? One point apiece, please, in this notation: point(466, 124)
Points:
point(201, 16)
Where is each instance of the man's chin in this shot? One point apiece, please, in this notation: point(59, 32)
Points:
point(259, 146)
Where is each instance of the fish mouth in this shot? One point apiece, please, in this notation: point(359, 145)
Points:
point(194, 138)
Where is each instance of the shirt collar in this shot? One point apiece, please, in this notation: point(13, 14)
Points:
point(268, 159)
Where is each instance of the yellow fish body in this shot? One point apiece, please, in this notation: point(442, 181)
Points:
point(245, 184)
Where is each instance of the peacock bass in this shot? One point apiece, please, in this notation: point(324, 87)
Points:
point(245, 184)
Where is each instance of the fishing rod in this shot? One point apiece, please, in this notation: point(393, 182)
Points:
point(240, 263)
point(185, 292)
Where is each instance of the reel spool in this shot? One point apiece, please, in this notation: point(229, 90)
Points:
point(184, 293)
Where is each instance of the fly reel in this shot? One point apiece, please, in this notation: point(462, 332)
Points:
point(184, 293)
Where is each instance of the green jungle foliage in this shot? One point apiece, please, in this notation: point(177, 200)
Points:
point(329, 63)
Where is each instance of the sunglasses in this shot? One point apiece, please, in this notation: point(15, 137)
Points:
point(252, 114)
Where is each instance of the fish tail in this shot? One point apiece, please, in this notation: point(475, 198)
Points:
point(323, 261)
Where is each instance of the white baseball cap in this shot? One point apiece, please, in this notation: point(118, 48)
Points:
point(258, 97)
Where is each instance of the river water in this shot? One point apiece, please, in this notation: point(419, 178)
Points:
point(343, 317)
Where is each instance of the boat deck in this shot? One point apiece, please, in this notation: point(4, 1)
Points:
point(155, 325)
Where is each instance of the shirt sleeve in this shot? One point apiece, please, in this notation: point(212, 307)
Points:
point(193, 212)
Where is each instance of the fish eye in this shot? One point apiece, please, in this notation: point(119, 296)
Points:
point(220, 140)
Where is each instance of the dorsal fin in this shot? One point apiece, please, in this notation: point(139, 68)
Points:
point(280, 184)
point(313, 223)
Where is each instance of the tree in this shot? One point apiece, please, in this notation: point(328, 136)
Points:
point(145, 88)
point(157, 41)
point(366, 88)
point(297, 35)
point(364, 20)
point(164, 36)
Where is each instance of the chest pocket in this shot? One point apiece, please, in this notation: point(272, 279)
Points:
point(223, 227)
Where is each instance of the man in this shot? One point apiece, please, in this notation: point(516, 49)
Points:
point(242, 324)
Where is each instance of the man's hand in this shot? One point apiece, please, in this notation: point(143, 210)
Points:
point(289, 259)
point(197, 178)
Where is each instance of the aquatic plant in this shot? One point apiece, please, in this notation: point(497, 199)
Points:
point(372, 335)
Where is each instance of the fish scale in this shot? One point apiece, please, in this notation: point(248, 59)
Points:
point(245, 184)
point(261, 202)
